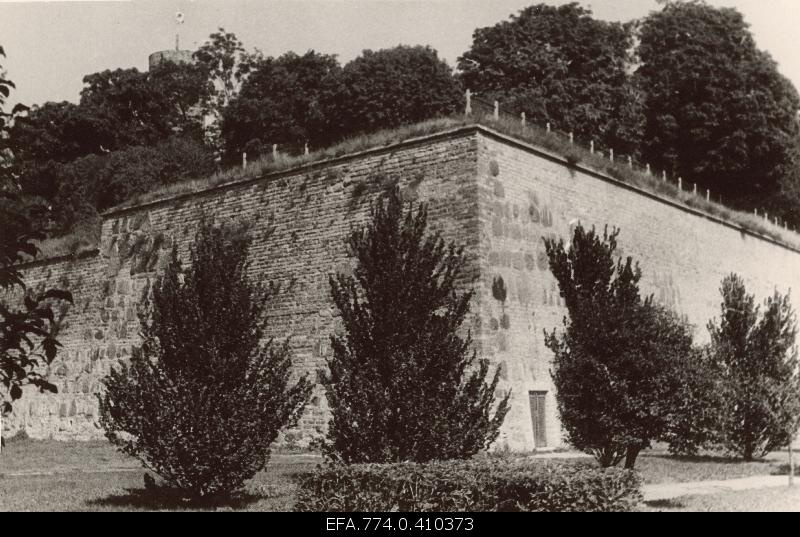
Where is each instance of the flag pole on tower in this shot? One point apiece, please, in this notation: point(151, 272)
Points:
point(179, 19)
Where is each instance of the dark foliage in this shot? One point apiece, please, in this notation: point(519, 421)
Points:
point(618, 363)
point(560, 65)
point(27, 333)
point(281, 103)
point(148, 107)
point(719, 113)
point(205, 395)
point(226, 65)
point(403, 383)
point(696, 408)
point(130, 133)
point(391, 87)
point(491, 484)
point(757, 359)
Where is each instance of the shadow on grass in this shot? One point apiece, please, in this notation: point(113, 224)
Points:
point(669, 503)
point(716, 459)
point(167, 498)
point(783, 469)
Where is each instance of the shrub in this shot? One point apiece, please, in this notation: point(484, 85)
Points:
point(618, 363)
point(206, 394)
point(403, 382)
point(696, 409)
point(756, 355)
point(489, 484)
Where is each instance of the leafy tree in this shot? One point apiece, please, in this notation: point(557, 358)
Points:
point(403, 383)
point(27, 334)
point(718, 111)
point(226, 65)
point(151, 106)
point(118, 109)
point(784, 202)
point(281, 103)
point(62, 132)
point(617, 364)
point(760, 371)
point(391, 87)
point(183, 87)
point(696, 407)
point(560, 65)
point(110, 179)
point(205, 395)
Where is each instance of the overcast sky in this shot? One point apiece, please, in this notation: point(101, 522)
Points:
point(50, 46)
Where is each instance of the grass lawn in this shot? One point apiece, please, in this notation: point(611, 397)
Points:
point(93, 476)
point(659, 467)
point(778, 499)
point(77, 476)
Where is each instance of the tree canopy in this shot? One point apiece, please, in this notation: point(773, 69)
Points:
point(281, 102)
point(562, 66)
point(718, 111)
point(391, 87)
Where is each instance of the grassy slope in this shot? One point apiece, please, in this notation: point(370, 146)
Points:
point(84, 239)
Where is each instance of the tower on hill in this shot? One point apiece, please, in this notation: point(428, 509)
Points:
point(172, 56)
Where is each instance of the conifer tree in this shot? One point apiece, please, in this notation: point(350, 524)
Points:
point(206, 393)
point(403, 382)
point(619, 363)
point(757, 357)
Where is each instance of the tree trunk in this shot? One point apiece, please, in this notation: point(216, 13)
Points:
point(630, 456)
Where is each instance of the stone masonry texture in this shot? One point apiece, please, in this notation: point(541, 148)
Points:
point(490, 193)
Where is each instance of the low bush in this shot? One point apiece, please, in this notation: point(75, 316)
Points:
point(493, 484)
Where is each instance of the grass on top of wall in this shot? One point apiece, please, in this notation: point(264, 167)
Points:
point(83, 238)
point(577, 155)
point(267, 164)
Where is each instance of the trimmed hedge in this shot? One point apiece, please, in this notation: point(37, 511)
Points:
point(490, 484)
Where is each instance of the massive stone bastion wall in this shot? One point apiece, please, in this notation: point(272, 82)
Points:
point(300, 222)
point(526, 194)
point(495, 195)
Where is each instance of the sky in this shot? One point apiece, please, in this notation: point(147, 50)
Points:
point(51, 45)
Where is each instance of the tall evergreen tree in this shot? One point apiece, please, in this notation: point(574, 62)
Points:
point(206, 394)
point(756, 355)
point(403, 383)
point(618, 364)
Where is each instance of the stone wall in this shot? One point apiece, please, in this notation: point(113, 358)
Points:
point(491, 193)
point(300, 220)
point(526, 194)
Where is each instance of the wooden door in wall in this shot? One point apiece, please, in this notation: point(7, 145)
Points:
point(538, 418)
